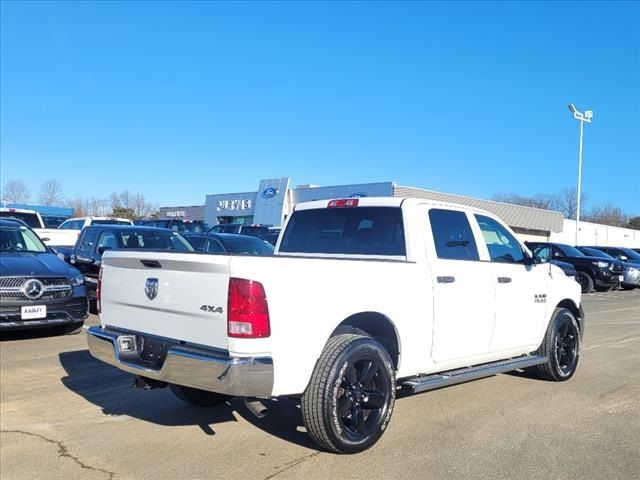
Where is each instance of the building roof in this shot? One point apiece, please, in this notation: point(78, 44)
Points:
point(516, 216)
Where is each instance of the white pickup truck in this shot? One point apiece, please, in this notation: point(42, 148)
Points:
point(66, 235)
point(364, 296)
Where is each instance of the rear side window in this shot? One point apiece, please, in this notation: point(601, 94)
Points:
point(355, 231)
point(452, 235)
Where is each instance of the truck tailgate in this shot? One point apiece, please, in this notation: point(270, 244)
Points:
point(182, 296)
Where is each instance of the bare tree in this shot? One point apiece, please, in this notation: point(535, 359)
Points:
point(566, 202)
point(51, 193)
point(142, 208)
point(79, 205)
point(539, 200)
point(15, 191)
point(98, 206)
point(607, 214)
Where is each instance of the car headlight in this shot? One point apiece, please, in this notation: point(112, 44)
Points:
point(601, 264)
point(77, 280)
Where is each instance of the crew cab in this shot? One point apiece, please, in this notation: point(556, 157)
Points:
point(37, 289)
point(363, 296)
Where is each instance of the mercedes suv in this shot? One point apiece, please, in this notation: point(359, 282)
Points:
point(37, 289)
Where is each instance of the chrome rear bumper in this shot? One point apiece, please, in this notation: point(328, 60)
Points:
point(189, 366)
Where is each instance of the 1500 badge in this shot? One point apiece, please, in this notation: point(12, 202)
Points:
point(211, 309)
point(540, 298)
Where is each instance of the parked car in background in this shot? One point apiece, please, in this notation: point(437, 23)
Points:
point(66, 235)
point(240, 228)
point(32, 218)
point(272, 236)
point(229, 243)
point(631, 277)
point(96, 239)
point(593, 272)
point(176, 224)
point(37, 289)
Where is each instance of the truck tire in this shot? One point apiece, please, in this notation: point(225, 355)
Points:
point(197, 397)
point(561, 344)
point(585, 281)
point(350, 397)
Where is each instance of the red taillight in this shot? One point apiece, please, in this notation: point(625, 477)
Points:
point(99, 291)
point(247, 310)
point(345, 202)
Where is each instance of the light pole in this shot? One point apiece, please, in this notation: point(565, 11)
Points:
point(586, 117)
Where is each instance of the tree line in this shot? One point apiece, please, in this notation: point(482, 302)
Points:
point(125, 204)
point(565, 202)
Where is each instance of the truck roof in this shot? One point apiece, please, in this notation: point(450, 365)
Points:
point(389, 202)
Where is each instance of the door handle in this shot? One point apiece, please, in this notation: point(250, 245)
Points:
point(504, 279)
point(446, 279)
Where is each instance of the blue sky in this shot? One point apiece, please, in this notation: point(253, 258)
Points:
point(176, 100)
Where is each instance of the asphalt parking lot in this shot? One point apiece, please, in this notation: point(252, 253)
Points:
point(65, 415)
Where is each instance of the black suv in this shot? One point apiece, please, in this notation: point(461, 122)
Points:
point(94, 240)
point(241, 228)
point(37, 289)
point(593, 272)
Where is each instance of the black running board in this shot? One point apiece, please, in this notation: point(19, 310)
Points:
point(437, 380)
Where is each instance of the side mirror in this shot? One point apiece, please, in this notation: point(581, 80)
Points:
point(52, 250)
point(101, 250)
point(542, 255)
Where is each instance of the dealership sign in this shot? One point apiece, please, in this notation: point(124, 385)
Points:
point(176, 213)
point(242, 204)
point(269, 192)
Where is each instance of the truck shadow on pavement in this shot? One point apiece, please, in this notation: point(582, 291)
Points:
point(111, 390)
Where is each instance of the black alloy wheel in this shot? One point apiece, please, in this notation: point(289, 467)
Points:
point(566, 348)
point(349, 400)
point(362, 398)
point(561, 346)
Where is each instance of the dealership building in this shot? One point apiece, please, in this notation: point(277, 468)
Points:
point(275, 198)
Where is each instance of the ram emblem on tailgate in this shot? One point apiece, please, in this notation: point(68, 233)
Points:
point(151, 288)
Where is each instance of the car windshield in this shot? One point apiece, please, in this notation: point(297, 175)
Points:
point(570, 251)
point(593, 252)
point(246, 245)
point(155, 240)
point(20, 239)
point(30, 219)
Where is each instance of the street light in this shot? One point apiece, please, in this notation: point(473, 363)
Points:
point(586, 117)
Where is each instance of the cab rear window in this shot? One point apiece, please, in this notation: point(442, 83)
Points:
point(349, 231)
